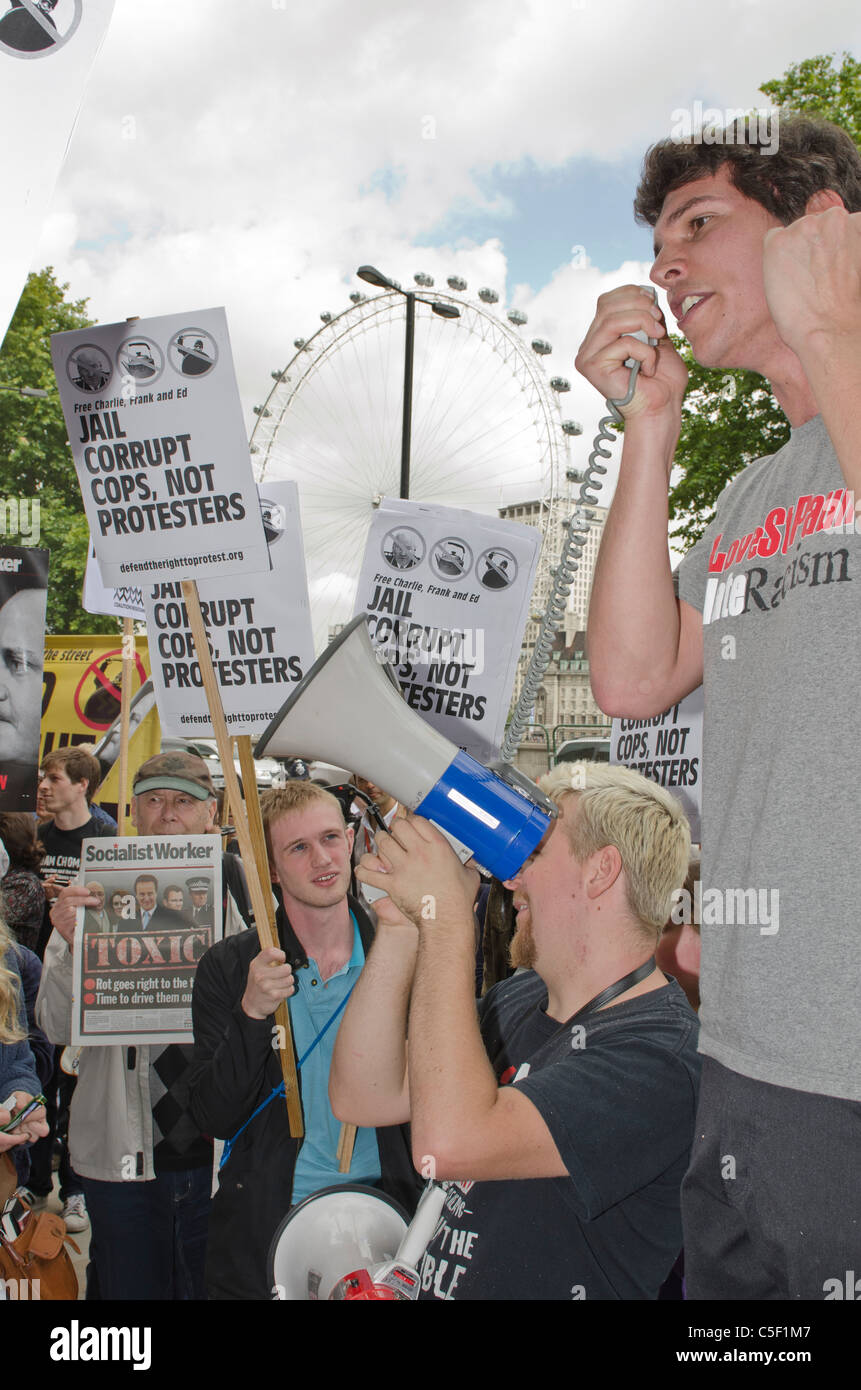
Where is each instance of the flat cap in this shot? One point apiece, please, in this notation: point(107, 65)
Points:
point(180, 772)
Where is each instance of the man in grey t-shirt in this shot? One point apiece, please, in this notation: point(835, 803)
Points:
point(759, 251)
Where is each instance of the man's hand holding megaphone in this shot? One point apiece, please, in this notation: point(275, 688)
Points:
point(421, 874)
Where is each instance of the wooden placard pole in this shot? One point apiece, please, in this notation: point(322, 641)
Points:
point(260, 893)
point(125, 702)
point(225, 816)
point(344, 1152)
point(258, 840)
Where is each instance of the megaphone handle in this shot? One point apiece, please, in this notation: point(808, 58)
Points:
point(422, 1226)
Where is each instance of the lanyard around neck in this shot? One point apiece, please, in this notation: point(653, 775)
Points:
point(613, 991)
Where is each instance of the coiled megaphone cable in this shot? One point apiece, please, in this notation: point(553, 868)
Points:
point(577, 528)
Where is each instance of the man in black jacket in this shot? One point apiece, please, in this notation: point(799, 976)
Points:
point(236, 1075)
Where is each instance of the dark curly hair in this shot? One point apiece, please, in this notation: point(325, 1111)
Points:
point(18, 833)
point(809, 154)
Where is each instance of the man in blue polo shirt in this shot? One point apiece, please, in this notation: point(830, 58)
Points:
point(324, 934)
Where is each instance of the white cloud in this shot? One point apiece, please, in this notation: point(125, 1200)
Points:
point(254, 154)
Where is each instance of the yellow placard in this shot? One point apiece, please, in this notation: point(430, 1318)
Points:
point(81, 700)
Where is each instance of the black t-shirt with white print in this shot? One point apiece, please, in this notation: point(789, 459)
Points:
point(62, 861)
point(618, 1092)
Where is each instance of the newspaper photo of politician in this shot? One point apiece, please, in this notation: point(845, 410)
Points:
point(133, 974)
point(23, 595)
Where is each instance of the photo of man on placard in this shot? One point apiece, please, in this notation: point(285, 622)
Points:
point(23, 593)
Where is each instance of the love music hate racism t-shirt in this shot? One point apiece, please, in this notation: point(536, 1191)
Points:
point(777, 579)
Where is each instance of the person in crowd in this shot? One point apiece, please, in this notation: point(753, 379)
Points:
point(579, 1073)
point(19, 1079)
point(388, 807)
point(68, 779)
point(21, 960)
point(23, 895)
point(145, 1165)
point(758, 251)
point(324, 935)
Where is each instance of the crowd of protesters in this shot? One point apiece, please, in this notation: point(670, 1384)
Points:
point(594, 1137)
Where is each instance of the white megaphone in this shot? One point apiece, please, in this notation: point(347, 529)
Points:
point(349, 710)
point(352, 1243)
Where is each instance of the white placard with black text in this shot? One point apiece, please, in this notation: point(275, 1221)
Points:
point(668, 749)
point(124, 602)
point(259, 630)
point(447, 593)
point(157, 434)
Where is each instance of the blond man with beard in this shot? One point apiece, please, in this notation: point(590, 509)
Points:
point(580, 1073)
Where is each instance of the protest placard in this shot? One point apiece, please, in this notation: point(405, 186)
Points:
point(23, 595)
point(259, 631)
point(81, 704)
point(669, 750)
point(447, 594)
point(123, 602)
point(135, 957)
point(46, 53)
point(157, 434)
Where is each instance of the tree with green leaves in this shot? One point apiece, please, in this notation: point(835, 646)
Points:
point(729, 420)
point(37, 461)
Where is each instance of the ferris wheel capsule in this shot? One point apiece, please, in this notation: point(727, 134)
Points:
point(426, 281)
point(560, 383)
point(517, 317)
point(541, 346)
point(488, 296)
point(572, 427)
point(456, 282)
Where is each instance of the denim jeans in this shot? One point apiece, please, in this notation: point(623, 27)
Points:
point(148, 1239)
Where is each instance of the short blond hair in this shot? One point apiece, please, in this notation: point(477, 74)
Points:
point(646, 823)
point(295, 795)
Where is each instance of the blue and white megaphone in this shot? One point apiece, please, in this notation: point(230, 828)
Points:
point(349, 710)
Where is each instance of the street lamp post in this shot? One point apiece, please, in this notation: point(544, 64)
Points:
point(445, 311)
point(29, 392)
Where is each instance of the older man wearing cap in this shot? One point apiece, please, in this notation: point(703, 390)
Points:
point(145, 1166)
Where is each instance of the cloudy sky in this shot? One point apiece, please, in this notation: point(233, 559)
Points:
point(253, 153)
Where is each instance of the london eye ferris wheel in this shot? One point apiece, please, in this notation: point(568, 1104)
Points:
point(487, 429)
